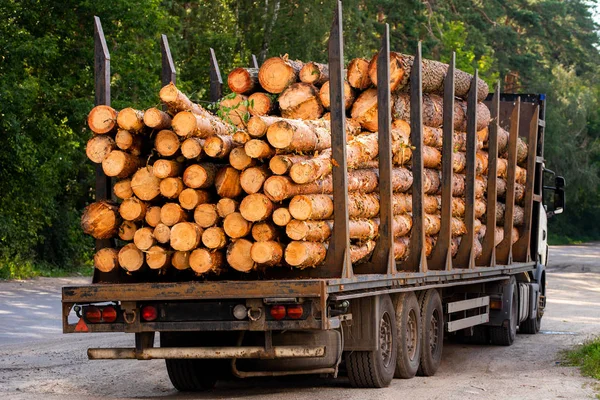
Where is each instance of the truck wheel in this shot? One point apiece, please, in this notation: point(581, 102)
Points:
point(375, 369)
point(408, 319)
point(531, 326)
point(432, 339)
point(505, 335)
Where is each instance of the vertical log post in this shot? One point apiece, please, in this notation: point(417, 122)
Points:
point(488, 252)
point(441, 257)
point(168, 74)
point(337, 261)
point(521, 249)
point(416, 260)
point(253, 62)
point(465, 258)
point(216, 82)
point(504, 251)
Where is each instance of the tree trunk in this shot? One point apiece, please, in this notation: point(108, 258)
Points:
point(131, 258)
point(200, 176)
point(281, 164)
point(102, 119)
point(158, 257)
point(325, 95)
point(190, 198)
point(305, 254)
point(260, 103)
point(132, 209)
point(298, 136)
point(218, 146)
point(181, 260)
point(145, 184)
point(214, 238)
point(314, 73)
point(131, 120)
point(152, 216)
point(243, 80)
point(277, 73)
point(252, 178)
point(226, 206)
point(281, 216)
point(238, 255)
point(132, 143)
point(166, 168)
point(227, 182)
point(99, 147)
point(171, 214)
point(100, 220)
point(257, 148)
point(126, 230)
point(157, 119)
point(239, 160)
point(313, 206)
point(264, 231)
point(144, 238)
point(167, 143)
point(267, 253)
point(300, 101)
point(185, 236)
point(171, 188)
point(312, 169)
point(358, 74)
point(191, 148)
point(186, 124)
point(120, 164)
point(258, 125)
point(106, 259)
point(310, 231)
point(236, 226)
point(205, 215)
point(256, 207)
point(122, 189)
point(162, 233)
point(203, 261)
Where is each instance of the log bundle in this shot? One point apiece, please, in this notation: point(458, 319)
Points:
point(251, 188)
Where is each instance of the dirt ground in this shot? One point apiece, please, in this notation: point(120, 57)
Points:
point(38, 362)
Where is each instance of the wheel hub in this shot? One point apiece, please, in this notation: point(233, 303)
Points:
point(411, 335)
point(434, 333)
point(385, 339)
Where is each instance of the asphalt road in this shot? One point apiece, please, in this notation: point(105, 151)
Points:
point(38, 362)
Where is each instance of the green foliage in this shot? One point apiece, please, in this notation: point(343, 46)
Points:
point(586, 357)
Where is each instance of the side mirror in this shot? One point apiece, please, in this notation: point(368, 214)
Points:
point(559, 195)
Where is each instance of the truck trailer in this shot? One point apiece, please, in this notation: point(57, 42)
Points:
point(373, 321)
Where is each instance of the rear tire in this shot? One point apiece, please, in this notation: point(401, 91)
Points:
point(505, 335)
point(530, 326)
point(375, 369)
point(432, 339)
point(408, 319)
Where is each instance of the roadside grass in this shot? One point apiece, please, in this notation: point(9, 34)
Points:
point(587, 358)
point(561, 240)
point(28, 269)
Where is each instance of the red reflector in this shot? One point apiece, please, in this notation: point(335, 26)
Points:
point(109, 314)
point(81, 326)
point(93, 315)
point(149, 313)
point(278, 312)
point(295, 312)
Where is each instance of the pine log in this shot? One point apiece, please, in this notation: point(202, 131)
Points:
point(314, 73)
point(519, 190)
point(186, 124)
point(518, 214)
point(305, 254)
point(190, 198)
point(185, 236)
point(203, 261)
point(102, 119)
point(171, 187)
point(227, 182)
point(131, 119)
point(166, 143)
point(281, 164)
point(325, 95)
point(120, 164)
point(267, 253)
point(243, 80)
point(106, 259)
point(132, 143)
point(200, 176)
point(218, 146)
point(277, 73)
point(300, 135)
point(100, 220)
point(131, 258)
point(171, 214)
point(264, 231)
point(256, 207)
point(399, 70)
point(162, 233)
point(260, 104)
point(236, 226)
point(214, 238)
point(157, 257)
point(157, 119)
point(152, 216)
point(234, 110)
point(99, 147)
point(364, 110)
point(144, 238)
point(300, 101)
point(314, 206)
point(358, 74)
point(256, 148)
point(180, 260)
point(240, 137)
point(226, 206)
point(238, 255)
point(126, 230)
point(281, 216)
point(310, 231)
point(239, 160)
point(483, 116)
point(205, 215)
point(191, 148)
point(166, 168)
point(145, 184)
point(312, 169)
point(252, 179)
point(122, 189)
point(258, 125)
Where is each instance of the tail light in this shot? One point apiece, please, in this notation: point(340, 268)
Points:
point(278, 312)
point(93, 315)
point(295, 311)
point(109, 314)
point(149, 313)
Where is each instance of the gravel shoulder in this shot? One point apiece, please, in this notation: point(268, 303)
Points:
point(38, 362)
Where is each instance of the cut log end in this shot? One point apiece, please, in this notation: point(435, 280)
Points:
point(226, 206)
point(152, 216)
point(131, 119)
point(100, 220)
point(106, 259)
point(281, 216)
point(157, 257)
point(243, 80)
point(131, 258)
point(203, 261)
point(181, 260)
point(185, 236)
point(166, 143)
point(144, 238)
point(236, 226)
point(256, 207)
point(267, 253)
point(305, 254)
point(205, 215)
point(157, 119)
point(278, 73)
point(214, 238)
point(145, 184)
point(132, 209)
point(99, 147)
point(171, 214)
point(102, 119)
point(238, 255)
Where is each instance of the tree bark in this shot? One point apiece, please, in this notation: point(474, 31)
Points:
point(106, 259)
point(185, 236)
point(243, 80)
point(100, 220)
point(99, 147)
point(267, 253)
point(364, 110)
point(102, 119)
point(277, 73)
point(300, 101)
point(157, 119)
point(298, 136)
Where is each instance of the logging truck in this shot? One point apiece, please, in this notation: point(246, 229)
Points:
point(231, 298)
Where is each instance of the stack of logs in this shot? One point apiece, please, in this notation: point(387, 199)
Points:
point(251, 187)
